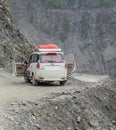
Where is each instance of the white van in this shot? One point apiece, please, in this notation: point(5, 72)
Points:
point(47, 63)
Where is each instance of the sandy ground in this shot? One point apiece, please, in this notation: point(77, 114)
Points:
point(15, 89)
point(86, 102)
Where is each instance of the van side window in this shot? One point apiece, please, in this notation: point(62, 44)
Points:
point(38, 58)
point(35, 58)
point(30, 60)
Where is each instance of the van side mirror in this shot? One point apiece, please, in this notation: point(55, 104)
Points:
point(25, 62)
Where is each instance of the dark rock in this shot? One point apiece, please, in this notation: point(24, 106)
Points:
point(85, 27)
point(13, 45)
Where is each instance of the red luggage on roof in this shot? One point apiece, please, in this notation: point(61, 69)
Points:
point(48, 46)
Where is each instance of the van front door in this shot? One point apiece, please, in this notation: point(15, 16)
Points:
point(71, 63)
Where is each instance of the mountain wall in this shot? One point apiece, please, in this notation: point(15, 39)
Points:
point(13, 45)
point(85, 27)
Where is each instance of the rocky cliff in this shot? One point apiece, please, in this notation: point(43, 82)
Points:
point(13, 45)
point(85, 27)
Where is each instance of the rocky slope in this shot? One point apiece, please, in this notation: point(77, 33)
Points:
point(12, 43)
point(85, 27)
point(90, 109)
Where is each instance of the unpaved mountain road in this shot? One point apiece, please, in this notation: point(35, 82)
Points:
point(15, 89)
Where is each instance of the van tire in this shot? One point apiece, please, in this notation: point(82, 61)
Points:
point(62, 83)
point(34, 81)
point(26, 78)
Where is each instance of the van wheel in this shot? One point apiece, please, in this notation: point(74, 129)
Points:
point(62, 83)
point(34, 81)
point(26, 78)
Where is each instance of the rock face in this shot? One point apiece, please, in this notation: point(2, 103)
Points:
point(12, 43)
point(85, 27)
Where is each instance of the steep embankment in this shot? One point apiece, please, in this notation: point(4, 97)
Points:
point(85, 27)
point(12, 43)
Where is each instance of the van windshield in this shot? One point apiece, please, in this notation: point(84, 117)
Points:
point(51, 58)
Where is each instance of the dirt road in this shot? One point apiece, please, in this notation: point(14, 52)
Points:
point(85, 102)
point(15, 89)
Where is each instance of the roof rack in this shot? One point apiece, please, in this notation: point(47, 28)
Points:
point(49, 50)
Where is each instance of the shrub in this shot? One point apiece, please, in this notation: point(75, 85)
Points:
point(105, 2)
point(56, 3)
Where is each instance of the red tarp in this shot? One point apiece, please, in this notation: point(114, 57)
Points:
point(48, 46)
